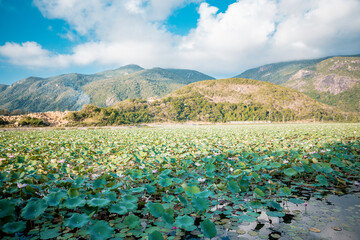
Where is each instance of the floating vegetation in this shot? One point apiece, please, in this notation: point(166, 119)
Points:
point(221, 182)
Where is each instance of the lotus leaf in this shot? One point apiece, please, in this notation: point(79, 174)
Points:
point(190, 191)
point(165, 182)
point(259, 193)
point(150, 189)
point(98, 202)
point(247, 218)
point(168, 218)
point(7, 207)
point(118, 208)
point(49, 233)
point(72, 203)
point(111, 196)
point(14, 227)
point(138, 190)
point(33, 209)
point(200, 204)
point(208, 228)
point(129, 199)
point(275, 214)
point(156, 209)
point(132, 221)
point(185, 222)
point(53, 199)
point(130, 206)
point(233, 186)
point(100, 230)
point(77, 220)
point(296, 200)
point(322, 180)
point(156, 235)
point(99, 183)
point(73, 192)
point(285, 191)
point(290, 172)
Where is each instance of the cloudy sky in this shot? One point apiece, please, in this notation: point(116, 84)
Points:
point(221, 38)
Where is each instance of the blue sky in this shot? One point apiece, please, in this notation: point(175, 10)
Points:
point(221, 38)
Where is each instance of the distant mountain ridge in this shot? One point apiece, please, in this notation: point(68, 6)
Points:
point(332, 80)
point(72, 91)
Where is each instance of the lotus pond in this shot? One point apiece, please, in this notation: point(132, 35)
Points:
point(296, 181)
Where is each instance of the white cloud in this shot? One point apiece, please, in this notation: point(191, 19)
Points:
point(248, 34)
point(31, 54)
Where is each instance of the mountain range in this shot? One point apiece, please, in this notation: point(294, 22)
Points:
point(333, 80)
point(73, 91)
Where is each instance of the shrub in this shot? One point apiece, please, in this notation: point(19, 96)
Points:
point(3, 122)
point(30, 121)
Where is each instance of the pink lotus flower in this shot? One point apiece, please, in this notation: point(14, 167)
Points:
point(198, 164)
point(154, 171)
point(61, 161)
point(305, 204)
point(142, 167)
point(201, 179)
point(175, 228)
point(11, 156)
point(231, 169)
point(68, 165)
point(285, 161)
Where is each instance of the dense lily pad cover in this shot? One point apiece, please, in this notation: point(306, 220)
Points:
point(158, 182)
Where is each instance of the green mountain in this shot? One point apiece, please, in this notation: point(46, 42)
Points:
point(73, 91)
point(222, 100)
point(333, 80)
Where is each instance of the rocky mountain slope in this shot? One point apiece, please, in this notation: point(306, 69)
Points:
point(73, 91)
point(334, 80)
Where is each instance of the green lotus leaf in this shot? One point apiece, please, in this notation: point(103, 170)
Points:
point(259, 193)
point(285, 191)
point(322, 180)
point(150, 189)
point(118, 208)
point(290, 172)
point(275, 214)
point(256, 176)
point(296, 200)
point(168, 198)
point(99, 183)
point(130, 206)
point(7, 207)
point(233, 186)
point(132, 221)
point(246, 218)
point(14, 227)
point(205, 194)
point(165, 173)
point(98, 202)
point(208, 228)
point(33, 209)
point(336, 161)
point(110, 195)
point(156, 209)
point(165, 182)
point(168, 218)
point(275, 205)
point(138, 190)
point(183, 200)
point(136, 174)
point(77, 220)
point(53, 199)
point(256, 204)
point(49, 233)
point(100, 230)
point(191, 191)
point(72, 203)
point(73, 192)
point(156, 235)
point(79, 181)
point(185, 222)
point(129, 199)
point(210, 168)
point(200, 204)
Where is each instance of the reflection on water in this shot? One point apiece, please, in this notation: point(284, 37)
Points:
point(333, 217)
